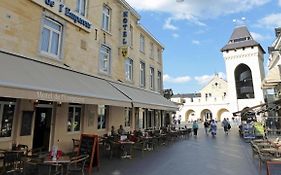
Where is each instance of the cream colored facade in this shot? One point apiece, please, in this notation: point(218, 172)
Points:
point(21, 33)
point(210, 102)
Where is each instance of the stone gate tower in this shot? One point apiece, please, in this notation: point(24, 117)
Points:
point(243, 58)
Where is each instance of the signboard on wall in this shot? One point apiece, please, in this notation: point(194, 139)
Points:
point(66, 13)
point(125, 30)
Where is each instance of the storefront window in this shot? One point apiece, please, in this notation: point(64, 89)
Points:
point(7, 110)
point(128, 116)
point(74, 117)
point(101, 117)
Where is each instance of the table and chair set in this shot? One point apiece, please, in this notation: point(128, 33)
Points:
point(124, 146)
point(22, 161)
point(268, 152)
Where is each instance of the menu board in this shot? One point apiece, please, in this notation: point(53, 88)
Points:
point(89, 145)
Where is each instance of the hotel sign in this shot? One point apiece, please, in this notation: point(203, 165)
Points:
point(65, 12)
point(125, 28)
point(49, 96)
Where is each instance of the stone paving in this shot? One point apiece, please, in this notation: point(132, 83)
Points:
point(201, 155)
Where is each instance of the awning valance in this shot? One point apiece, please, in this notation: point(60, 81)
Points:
point(22, 77)
point(261, 108)
point(145, 99)
point(273, 78)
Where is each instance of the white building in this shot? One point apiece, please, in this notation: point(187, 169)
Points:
point(219, 98)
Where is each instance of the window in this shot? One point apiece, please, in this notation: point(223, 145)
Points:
point(105, 57)
point(74, 118)
point(151, 73)
point(51, 36)
point(142, 74)
point(128, 116)
point(244, 82)
point(142, 43)
point(7, 110)
point(106, 18)
point(81, 7)
point(129, 69)
point(159, 54)
point(131, 36)
point(159, 81)
point(151, 50)
point(101, 117)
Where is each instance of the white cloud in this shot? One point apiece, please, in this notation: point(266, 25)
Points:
point(197, 10)
point(181, 79)
point(259, 37)
point(271, 21)
point(175, 35)
point(196, 42)
point(279, 2)
point(204, 79)
point(168, 25)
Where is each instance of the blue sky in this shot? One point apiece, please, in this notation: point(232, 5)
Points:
point(194, 31)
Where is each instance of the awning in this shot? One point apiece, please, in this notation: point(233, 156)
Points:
point(145, 99)
point(273, 78)
point(22, 77)
point(261, 108)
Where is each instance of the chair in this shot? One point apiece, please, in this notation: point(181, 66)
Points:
point(77, 164)
point(76, 144)
point(12, 162)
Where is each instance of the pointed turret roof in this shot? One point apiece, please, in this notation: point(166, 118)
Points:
point(240, 38)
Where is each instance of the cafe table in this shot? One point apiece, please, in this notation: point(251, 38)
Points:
point(58, 163)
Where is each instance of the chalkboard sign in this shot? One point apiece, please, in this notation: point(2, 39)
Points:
point(26, 123)
point(89, 145)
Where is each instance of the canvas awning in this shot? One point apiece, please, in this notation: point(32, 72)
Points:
point(145, 99)
point(273, 78)
point(261, 108)
point(25, 78)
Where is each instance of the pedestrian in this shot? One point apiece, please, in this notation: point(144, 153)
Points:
point(213, 128)
point(225, 125)
point(195, 127)
point(206, 126)
point(121, 131)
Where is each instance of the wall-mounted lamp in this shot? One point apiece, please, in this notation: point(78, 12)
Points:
point(59, 104)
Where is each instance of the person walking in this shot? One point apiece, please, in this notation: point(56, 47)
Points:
point(206, 126)
point(225, 126)
point(213, 128)
point(195, 128)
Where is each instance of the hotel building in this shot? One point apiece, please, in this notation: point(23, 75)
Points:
point(76, 66)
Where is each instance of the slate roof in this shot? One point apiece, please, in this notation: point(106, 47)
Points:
point(240, 38)
point(190, 95)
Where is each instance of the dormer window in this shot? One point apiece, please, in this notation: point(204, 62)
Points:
point(240, 39)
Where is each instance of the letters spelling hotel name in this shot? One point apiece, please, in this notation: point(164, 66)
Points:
point(67, 12)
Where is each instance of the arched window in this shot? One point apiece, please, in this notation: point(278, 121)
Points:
point(244, 82)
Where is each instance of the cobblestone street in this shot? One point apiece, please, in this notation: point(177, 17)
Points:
point(204, 155)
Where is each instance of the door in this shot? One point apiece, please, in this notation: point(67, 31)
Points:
point(42, 128)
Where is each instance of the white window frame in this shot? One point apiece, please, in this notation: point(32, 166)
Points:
point(159, 81)
point(142, 43)
point(99, 125)
point(105, 59)
point(73, 117)
point(142, 73)
point(80, 8)
point(151, 78)
point(106, 18)
point(128, 116)
point(52, 31)
point(129, 69)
